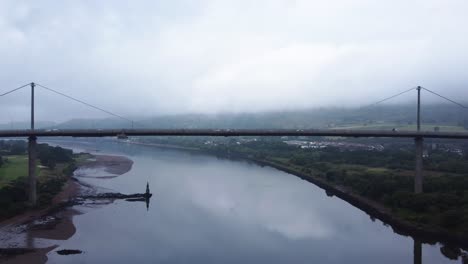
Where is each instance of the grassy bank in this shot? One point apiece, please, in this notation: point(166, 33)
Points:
point(55, 167)
point(14, 167)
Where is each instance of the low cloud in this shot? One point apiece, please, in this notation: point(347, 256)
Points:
point(156, 57)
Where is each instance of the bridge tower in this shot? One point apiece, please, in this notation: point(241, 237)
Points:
point(32, 153)
point(418, 177)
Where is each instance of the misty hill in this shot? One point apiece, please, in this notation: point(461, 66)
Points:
point(26, 125)
point(371, 117)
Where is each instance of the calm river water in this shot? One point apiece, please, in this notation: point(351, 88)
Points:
point(210, 210)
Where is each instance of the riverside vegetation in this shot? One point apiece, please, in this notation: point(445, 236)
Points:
point(56, 165)
point(385, 177)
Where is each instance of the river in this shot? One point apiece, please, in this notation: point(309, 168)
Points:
point(210, 210)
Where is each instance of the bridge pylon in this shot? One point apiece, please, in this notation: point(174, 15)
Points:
point(32, 155)
point(418, 177)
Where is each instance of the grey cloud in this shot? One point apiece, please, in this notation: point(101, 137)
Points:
point(160, 57)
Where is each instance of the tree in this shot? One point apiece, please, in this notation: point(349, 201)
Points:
point(50, 164)
point(50, 156)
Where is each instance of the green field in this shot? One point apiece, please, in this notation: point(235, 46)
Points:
point(50, 178)
point(17, 166)
point(82, 157)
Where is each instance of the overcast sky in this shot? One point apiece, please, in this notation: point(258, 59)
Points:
point(180, 56)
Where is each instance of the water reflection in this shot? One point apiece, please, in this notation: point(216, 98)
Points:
point(210, 210)
point(417, 251)
point(29, 240)
point(147, 196)
point(454, 253)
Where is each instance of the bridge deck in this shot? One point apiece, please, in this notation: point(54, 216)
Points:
point(230, 133)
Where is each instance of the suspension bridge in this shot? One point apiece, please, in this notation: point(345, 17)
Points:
point(33, 133)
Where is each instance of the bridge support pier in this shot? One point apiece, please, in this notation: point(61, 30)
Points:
point(418, 177)
point(417, 251)
point(32, 170)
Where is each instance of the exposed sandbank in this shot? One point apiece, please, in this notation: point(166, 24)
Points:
point(53, 222)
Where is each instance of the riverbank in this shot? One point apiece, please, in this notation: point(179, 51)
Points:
point(376, 210)
point(426, 233)
point(55, 221)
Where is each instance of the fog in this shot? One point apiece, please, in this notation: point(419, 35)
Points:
point(171, 57)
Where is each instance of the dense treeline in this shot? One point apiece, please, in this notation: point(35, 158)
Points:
point(383, 176)
point(50, 156)
point(444, 202)
point(47, 155)
point(13, 196)
point(13, 147)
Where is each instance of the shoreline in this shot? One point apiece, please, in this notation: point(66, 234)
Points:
point(54, 221)
point(111, 163)
point(375, 210)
